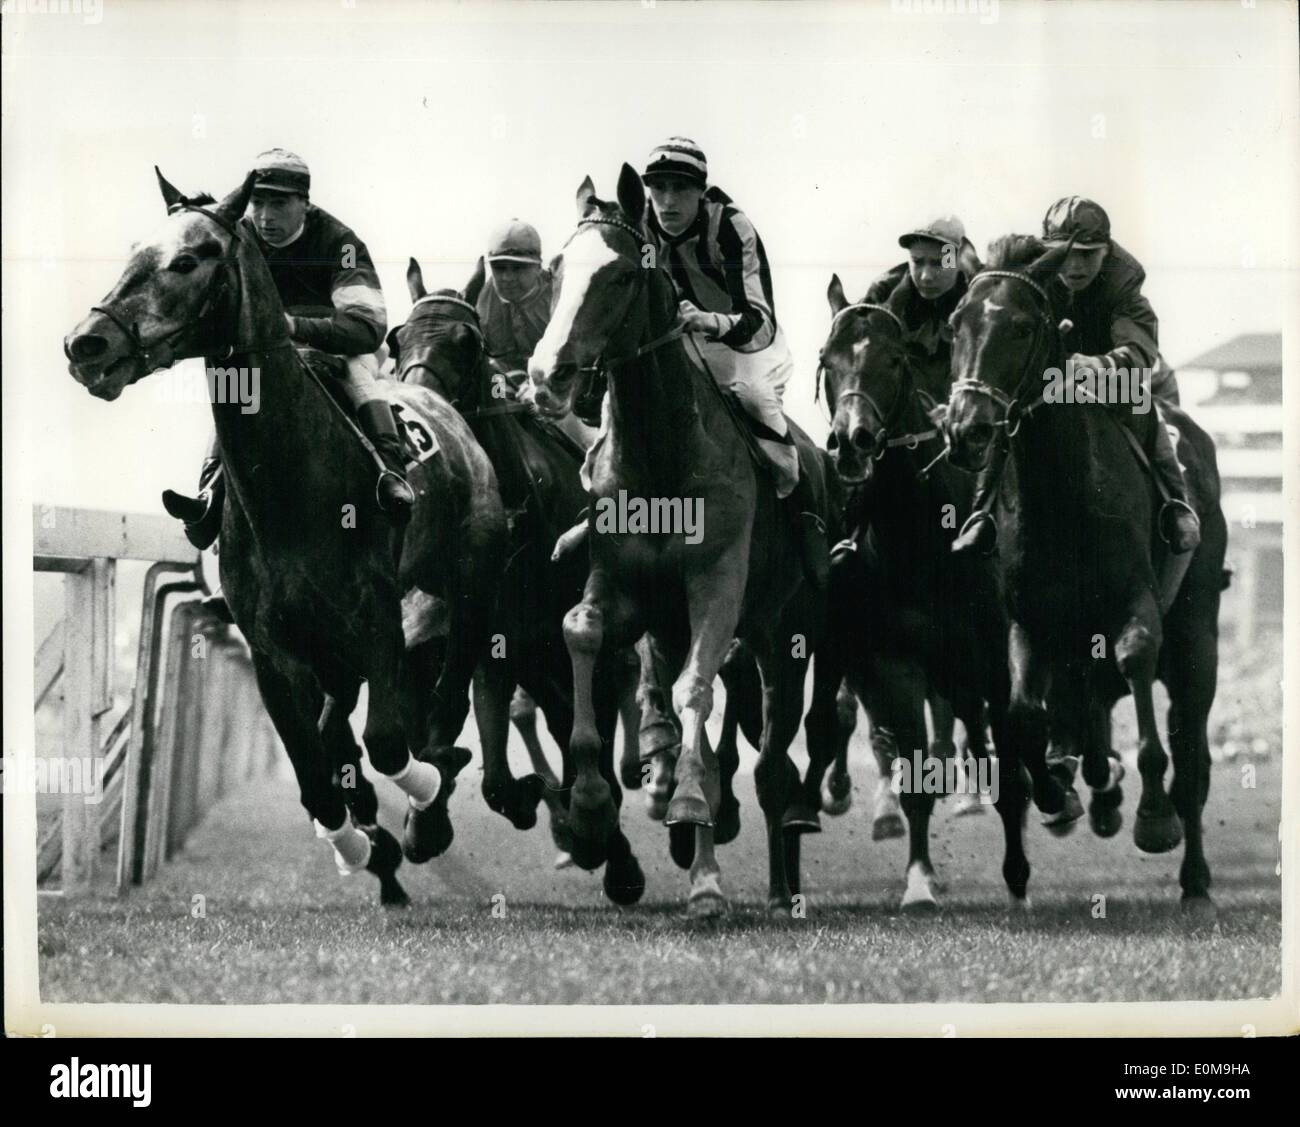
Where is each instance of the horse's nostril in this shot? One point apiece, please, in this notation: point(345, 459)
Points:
point(87, 347)
point(832, 442)
point(861, 438)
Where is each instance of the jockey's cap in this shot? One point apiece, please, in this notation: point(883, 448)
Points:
point(946, 229)
point(515, 241)
point(1078, 218)
point(278, 170)
point(678, 156)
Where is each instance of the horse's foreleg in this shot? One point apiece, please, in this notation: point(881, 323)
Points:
point(1027, 720)
point(629, 714)
point(1010, 802)
point(343, 752)
point(1156, 828)
point(515, 799)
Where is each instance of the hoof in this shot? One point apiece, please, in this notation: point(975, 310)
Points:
point(706, 899)
point(836, 806)
point(918, 898)
point(801, 818)
point(920, 906)
point(656, 805)
point(1062, 822)
point(887, 826)
point(837, 795)
point(681, 845)
point(1158, 834)
point(727, 827)
point(629, 773)
point(1199, 912)
point(427, 834)
point(688, 809)
point(589, 855)
point(625, 883)
point(563, 860)
point(1018, 905)
point(518, 801)
point(385, 857)
point(779, 910)
point(1104, 813)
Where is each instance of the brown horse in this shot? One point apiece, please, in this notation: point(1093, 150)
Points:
point(916, 619)
point(1080, 555)
point(313, 572)
point(441, 347)
point(670, 439)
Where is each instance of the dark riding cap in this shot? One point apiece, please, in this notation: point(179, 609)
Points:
point(678, 156)
point(278, 170)
point(947, 230)
point(1078, 218)
point(515, 241)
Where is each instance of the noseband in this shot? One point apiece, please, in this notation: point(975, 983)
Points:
point(1015, 407)
point(144, 351)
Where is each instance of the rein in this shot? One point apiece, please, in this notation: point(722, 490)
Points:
point(145, 351)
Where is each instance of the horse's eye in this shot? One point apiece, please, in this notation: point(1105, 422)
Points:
point(183, 264)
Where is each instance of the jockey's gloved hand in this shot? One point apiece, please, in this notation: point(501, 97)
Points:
point(711, 326)
point(1085, 364)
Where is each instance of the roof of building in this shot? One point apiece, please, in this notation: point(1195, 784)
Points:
point(1242, 353)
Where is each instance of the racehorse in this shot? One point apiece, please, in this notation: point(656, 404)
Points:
point(922, 619)
point(669, 436)
point(1081, 558)
point(441, 347)
point(312, 571)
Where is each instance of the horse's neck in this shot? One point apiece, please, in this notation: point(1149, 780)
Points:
point(1049, 482)
point(653, 409)
point(908, 501)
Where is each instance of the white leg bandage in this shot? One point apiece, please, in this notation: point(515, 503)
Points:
point(420, 781)
point(351, 846)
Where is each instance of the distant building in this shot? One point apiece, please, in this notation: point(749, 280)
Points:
point(1241, 407)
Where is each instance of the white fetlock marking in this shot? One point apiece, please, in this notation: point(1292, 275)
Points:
point(886, 800)
point(420, 781)
point(920, 889)
point(1116, 774)
point(1018, 904)
point(351, 847)
point(708, 886)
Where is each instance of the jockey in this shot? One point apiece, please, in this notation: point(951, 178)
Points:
point(1098, 290)
point(514, 306)
point(723, 284)
point(925, 290)
point(333, 303)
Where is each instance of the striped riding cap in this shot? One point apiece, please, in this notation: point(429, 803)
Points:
point(678, 156)
point(1077, 218)
point(515, 241)
point(278, 170)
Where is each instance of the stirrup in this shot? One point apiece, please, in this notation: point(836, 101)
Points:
point(1174, 505)
point(979, 517)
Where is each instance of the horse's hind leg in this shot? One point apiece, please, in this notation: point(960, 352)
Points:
point(344, 754)
point(293, 703)
point(515, 799)
point(1156, 828)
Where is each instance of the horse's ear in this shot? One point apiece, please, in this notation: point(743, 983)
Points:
point(1046, 265)
point(835, 294)
point(968, 259)
point(232, 208)
point(631, 193)
point(171, 195)
point(394, 347)
point(415, 280)
point(476, 282)
point(586, 197)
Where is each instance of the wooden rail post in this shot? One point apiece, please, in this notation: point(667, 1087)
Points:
point(88, 695)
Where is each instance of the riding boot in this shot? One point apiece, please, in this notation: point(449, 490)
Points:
point(811, 531)
point(392, 492)
point(571, 540)
point(201, 514)
point(1179, 525)
point(979, 532)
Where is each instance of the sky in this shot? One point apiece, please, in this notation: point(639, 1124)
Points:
point(833, 126)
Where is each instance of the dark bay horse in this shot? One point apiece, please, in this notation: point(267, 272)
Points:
point(441, 347)
point(669, 438)
point(920, 619)
point(313, 572)
point(1080, 555)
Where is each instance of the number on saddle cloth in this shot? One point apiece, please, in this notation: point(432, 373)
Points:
point(421, 443)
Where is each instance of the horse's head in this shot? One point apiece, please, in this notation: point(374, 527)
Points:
point(162, 308)
point(863, 366)
point(1004, 341)
point(599, 281)
point(441, 345)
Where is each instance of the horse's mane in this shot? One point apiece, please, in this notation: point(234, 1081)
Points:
point(1013, 252)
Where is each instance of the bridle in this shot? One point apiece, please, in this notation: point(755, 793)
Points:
point(146, 352)
point(883, 440)
point(1017, 406)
